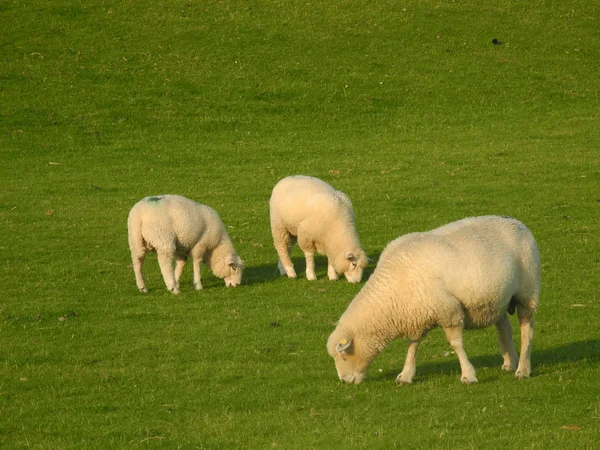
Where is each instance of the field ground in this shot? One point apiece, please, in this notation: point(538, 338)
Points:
point(422, 112)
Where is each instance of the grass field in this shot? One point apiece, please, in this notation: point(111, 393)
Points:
point(408, 107)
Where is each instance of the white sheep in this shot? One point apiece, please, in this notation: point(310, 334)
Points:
point(463, 275)
point(175, 226)
point(320, 219)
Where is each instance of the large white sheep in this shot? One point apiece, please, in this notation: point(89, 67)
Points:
point(463, 275)
point(320, 219)
point(175, 226)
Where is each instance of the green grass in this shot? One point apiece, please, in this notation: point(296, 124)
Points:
point(407, 107)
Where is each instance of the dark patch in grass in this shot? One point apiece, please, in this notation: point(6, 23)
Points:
point(269, 272)
point(569, 353)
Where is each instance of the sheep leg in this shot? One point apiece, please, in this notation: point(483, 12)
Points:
point(331, 273)
point(507, 346)
point(526, 324)
point(410, 364)
point(197, 279)
point(310, 266)
point(455, 338)
point(138, 270)
point(165, 260)
point(179, 269)
point(283, 245)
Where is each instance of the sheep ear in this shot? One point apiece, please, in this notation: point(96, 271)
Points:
point(343, 344)
point(350, 256)
point(230, 261)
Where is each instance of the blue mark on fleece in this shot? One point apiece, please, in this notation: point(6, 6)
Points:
point(154, 199)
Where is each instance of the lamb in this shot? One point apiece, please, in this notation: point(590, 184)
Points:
point(320, 219)
point(465, 275)
point(175, 226)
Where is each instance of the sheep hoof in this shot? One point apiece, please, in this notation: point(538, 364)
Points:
point(402, 381)
point(468, 380)
point(198, 287)
point(174, 291)
point(143, 289)
point(521, 374)
point(311, 277)
point(508, 368)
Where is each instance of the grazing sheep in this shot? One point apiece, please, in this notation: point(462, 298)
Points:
point(174, 226)
point(464, 275)
point(320, 219)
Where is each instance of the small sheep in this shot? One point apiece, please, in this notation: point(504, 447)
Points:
point(174, 226)
point(464, 275)
point(320, 219)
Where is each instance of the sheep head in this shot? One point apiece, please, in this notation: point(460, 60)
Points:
point(353, 265)
point(351, 366)
point(233, 271)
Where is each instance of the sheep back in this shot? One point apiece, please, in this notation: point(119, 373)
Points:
point(171, 219)
point(469, 270)
point(310, 207)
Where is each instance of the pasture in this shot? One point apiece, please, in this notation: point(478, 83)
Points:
point(422, 112)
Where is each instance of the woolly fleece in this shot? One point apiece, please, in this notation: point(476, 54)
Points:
point(320, 219)
point(463, 275)
point(175, 226)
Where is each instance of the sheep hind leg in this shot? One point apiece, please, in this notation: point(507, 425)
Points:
point(454, 335)
point(165, 260)
point(507, 345)
point(526, 324)
point(283, 245)
point(410, 364)
point(138, 270)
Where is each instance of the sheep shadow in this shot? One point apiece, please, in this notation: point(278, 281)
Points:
point(264, 273)
point(543, 361)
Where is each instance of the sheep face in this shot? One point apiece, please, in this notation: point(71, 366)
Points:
point(350, 365)
point(233, 272)
point(353, 265)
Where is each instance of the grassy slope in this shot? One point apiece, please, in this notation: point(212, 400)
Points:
point(408, 108)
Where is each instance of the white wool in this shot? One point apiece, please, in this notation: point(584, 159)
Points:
point(175, 226)
point(321, 219)
point(463, 275)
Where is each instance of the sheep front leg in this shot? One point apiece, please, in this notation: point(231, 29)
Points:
point(331, 273)
point(526, 323)
point(455, 338)
point(179, 269)
point(410, 364)
point(138, 270)
point(507, 345)
point(310, 266)
point(197, 280)
point(165, 260)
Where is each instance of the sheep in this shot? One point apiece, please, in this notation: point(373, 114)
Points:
point(320, 219)
point(175, 226)
point(464, 275)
